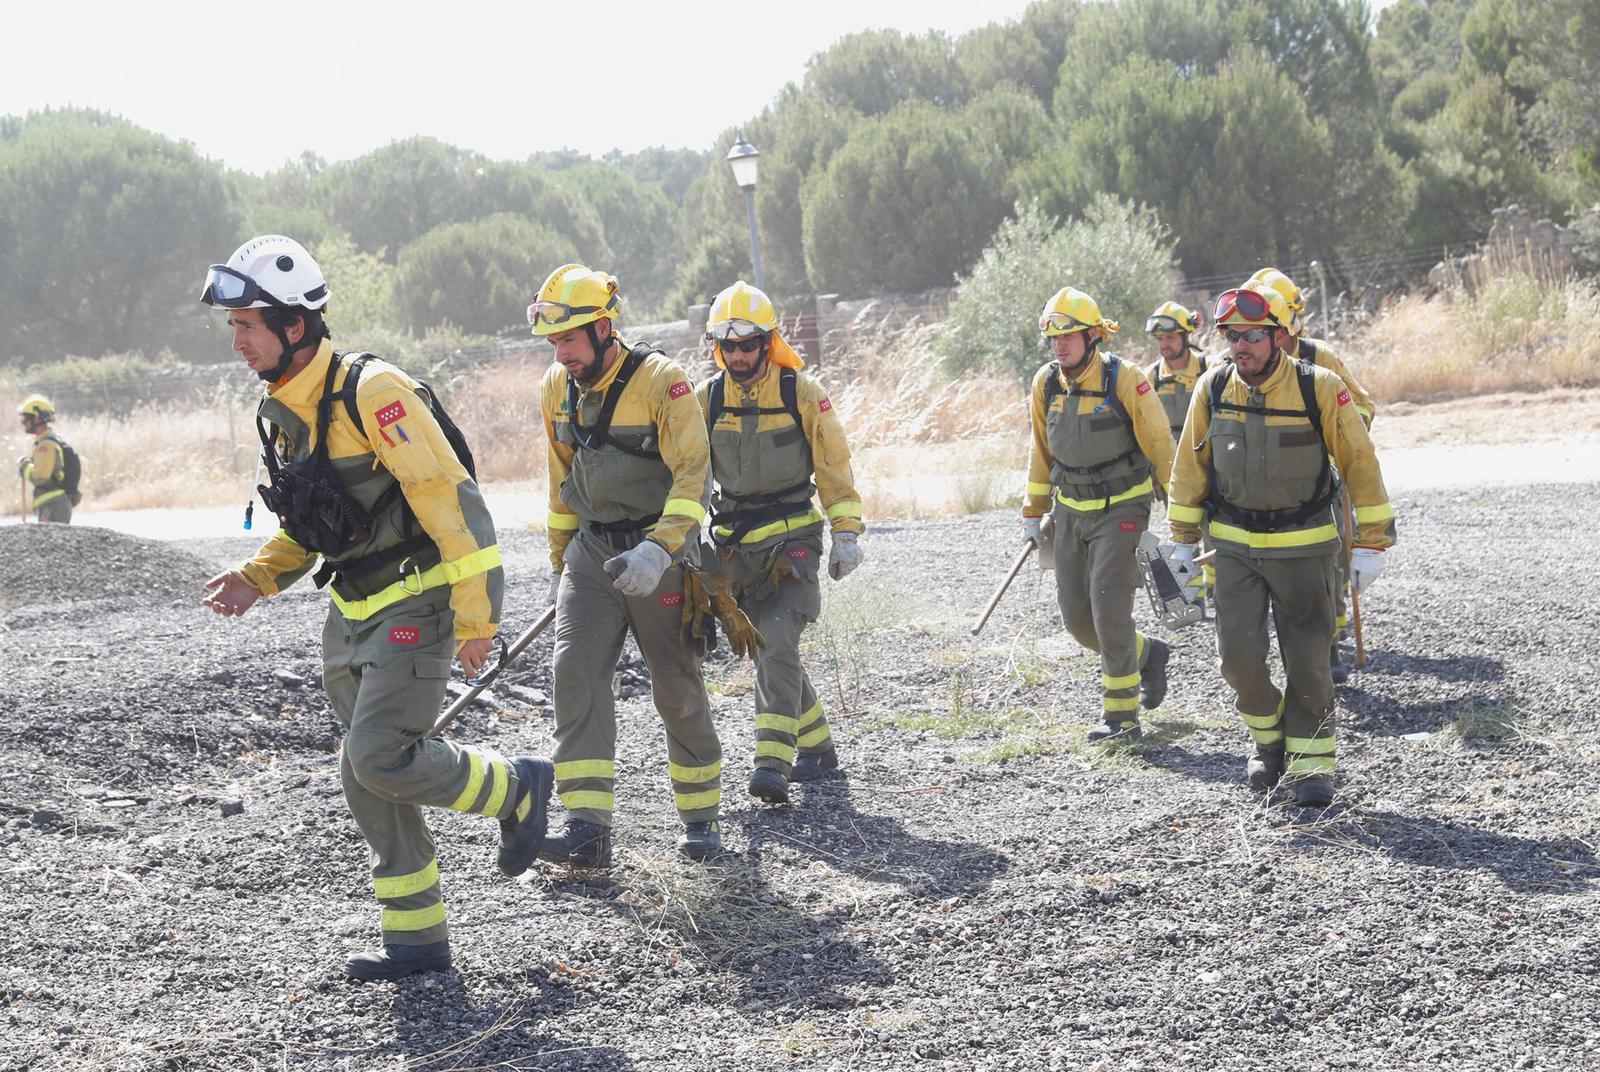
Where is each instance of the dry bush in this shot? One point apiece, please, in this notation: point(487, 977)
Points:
point(1517, 332)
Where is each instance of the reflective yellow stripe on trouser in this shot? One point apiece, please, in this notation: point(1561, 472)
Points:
point(1119, 695)
point(488, 780)
point(1265, 729)
point(689, 786)
point(1311, 755)
point(479, 561)
point(411, 903)
point(587, 783)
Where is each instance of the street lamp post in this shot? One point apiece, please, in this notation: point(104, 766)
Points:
point(742, 159)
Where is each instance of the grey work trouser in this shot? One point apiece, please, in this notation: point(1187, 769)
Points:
point(788, 712)
point(57, 511)
point(592, 620)
point(385, 678)
point(1096, 576)
point(1300, 594)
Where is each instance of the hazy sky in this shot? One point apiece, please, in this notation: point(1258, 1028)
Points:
point(505, 79)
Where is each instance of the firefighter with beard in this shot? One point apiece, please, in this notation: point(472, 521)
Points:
point(1254, 460)
point(1319, 352)
point(1101, 451)
point(1181, 362)
point(773, 432)
point(628, 478)
point(416, 581)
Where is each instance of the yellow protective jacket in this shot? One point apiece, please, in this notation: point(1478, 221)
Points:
point(756, 454)
point(1149, 429)
point(46, 468)
point(1174, 386)
point(399, 441)
point(1320, 353)
point(658, 412)
point(1273, 462)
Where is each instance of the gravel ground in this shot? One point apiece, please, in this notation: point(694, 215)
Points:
point(980, 891)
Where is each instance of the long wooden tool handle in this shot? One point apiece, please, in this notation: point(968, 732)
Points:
point(994, 601)
point(512, 652)
point(1355, 600)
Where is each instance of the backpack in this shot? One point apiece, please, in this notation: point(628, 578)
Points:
point(452, 433)
point(72, 477)
point(767, 506)
point(1109, 366)
point(598, 434)
point(787, 391)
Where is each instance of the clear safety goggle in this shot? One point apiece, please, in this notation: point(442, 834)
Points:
point(1061, 322)
point(232, 289)
point(1162, 324)
point(551, 312)
point(734, 329)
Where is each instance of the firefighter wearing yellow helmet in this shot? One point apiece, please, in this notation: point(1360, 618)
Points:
point(1254, 458)
point(1172, 376)
point(1101, 451)
point(51, 466)
point(1320, 353)
point(775, 441)
point(362, 475)
point(628, 470)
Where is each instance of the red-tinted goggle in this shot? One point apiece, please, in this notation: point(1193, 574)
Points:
point(1247, 303)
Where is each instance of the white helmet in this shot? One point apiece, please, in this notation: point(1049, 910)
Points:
point(270, 271)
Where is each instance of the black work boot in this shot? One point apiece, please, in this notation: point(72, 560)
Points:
point(1153, 676)
point(1264, 769)
point(522, 832)
point(811, 766)
point(1109, 731)
point(582, 844)
point(1337, 668)
point(1313, 790)
point(398, 961)
point(769, 785)
point(701, 840)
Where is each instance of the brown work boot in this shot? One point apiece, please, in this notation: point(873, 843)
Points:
point(1265, 767)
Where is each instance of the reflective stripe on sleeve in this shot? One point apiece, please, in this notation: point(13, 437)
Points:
point(686, 508)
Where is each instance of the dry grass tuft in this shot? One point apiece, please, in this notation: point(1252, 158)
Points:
point(1518, 332)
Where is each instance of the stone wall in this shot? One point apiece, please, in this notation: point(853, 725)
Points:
point(1516, 241)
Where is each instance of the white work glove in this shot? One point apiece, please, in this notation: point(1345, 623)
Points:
point(844, 556)
point(555, 587)
point(1365, 565)
point(638, 570)
point(1030, 530)
point(1180, 556)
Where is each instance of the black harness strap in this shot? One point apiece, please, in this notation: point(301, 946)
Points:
point(1158, 382)
point(598, 434)
point(1327, 488)
point(758, 509)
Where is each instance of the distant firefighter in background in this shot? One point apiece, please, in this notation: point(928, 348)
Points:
point(52, 468)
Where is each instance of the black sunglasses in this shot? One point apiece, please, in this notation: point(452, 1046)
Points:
point(1248, 334)
point(746, 346)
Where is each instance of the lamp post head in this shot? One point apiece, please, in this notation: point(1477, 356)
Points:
point(742, 159)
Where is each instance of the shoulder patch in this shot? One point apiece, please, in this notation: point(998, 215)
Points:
point(389, 414)
point(1144, 387)
point(679, 389)
point(1344, 397)
point(823, 405)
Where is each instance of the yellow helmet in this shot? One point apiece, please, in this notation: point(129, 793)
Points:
point(1172, 317)
point(1253, 303)
point(739, 312)
point(571, 297)
point(37, 406)
point(1283, 285)
point(1072, 310)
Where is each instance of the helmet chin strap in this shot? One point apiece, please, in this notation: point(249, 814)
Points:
point(756, 366)
point(598, 362)
point(276, 372)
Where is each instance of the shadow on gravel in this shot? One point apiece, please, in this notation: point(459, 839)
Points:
point(1468, 668)
point(442, 1027)
point(1222, 767)
point(1562, 865)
